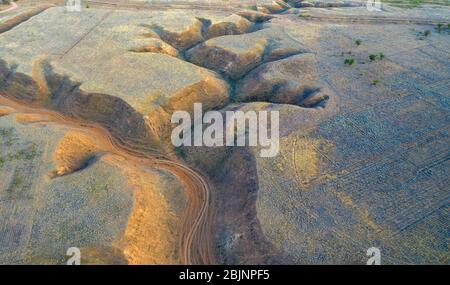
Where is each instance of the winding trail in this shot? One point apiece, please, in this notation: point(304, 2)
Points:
point(13, 7)
point(22, 17)
point(195, 245)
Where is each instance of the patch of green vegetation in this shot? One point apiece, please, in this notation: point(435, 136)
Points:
point(180, 152)
point(349, 61)
point(5, 133)
point(6, 136)
point(422, 35)
point(379, 56)
point(441, 27)
point(305, 15)
point(375, 82)
point(358, 42)
point(97, 189)
point(28, 153)
point(251, 7)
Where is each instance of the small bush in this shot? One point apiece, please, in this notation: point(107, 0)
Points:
point(358, 42)
point(381, 55)
point(5, 132)
point(375, 82)
point(372, 57)
point(443, 28)
point(349, 61)
point(251, 7)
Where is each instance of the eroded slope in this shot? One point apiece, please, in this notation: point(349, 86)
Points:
point(66, 185)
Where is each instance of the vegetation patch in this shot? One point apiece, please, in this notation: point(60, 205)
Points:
point(443, 28)
point(6, 133)
point(421, 35)
point(374, 57)
point(15, 183)
point(6, 137)
point(27, 153)
point(349, 61)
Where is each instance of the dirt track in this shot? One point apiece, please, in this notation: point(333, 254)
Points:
point(13, 7)
point(195, 241)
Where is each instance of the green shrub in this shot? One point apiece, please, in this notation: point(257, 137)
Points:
point(5, 133)
point(349, 61)
point(442, 27)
